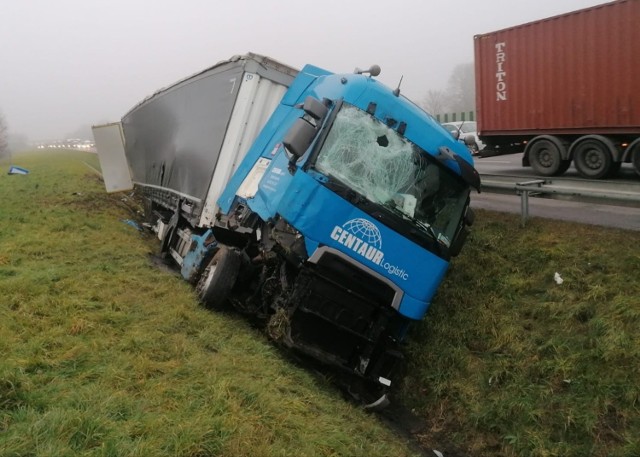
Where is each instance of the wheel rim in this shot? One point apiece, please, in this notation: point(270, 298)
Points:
point(545, 157)
point(211, 271)
point(592, 159)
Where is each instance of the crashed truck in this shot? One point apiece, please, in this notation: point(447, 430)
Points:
point(327, 205)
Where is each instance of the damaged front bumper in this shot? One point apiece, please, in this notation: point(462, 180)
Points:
point(345, 316)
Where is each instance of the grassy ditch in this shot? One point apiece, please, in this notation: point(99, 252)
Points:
point(102, 354)
point(511, 363)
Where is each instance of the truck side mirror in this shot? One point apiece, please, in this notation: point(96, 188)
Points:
point(303, 131)
point(299, 138)
point(463, 233)
point(314, 108)
point(458, 242)
point(469, 217)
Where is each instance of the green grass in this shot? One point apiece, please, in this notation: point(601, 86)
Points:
point(103, 354)
point(510, 363)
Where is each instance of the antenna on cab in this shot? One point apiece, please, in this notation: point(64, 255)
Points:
point(396, 91)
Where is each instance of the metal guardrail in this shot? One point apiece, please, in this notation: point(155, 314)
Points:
point(601, 192)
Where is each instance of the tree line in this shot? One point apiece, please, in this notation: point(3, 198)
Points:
point(4, 138)
point(459, 95)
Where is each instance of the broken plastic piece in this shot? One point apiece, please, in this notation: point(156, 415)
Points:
point(133, 224)
point(378, 405)
point(13, 170)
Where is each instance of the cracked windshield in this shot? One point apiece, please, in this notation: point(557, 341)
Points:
point(375, 161)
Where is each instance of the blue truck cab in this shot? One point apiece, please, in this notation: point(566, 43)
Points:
point(366, 198)
point(335, 228)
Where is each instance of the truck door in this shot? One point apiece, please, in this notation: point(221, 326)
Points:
point(109, 140)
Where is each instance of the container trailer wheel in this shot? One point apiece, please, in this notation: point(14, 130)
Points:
point(615, 168)
point(634, 154)
point(593, 157)
point(564, 166)
point(218, 278)
point(545, 156)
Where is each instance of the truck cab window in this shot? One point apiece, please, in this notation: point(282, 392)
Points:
point(385, 168)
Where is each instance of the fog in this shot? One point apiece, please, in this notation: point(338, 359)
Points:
point(70, 63)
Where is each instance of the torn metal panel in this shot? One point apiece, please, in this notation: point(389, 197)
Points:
point(109, 141)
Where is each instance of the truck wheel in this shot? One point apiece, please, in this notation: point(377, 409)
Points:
point(635, 155)
point(615, 168)
point(545, 158)
point(564, 166)
point(218, 278)
point(592, 158)
point(165, 244)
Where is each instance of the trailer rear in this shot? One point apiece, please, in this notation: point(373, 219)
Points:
point(563, 89)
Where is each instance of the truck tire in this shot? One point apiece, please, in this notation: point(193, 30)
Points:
point(564, 166)
point(545, 157)
point(615, 168)
point(634, 155)
point(592, 158)
point(218, 278)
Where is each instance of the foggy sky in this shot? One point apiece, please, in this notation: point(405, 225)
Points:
point(68, 63)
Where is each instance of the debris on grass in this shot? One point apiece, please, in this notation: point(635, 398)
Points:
point(14, 170)
point(278, 326)
point(133, 224)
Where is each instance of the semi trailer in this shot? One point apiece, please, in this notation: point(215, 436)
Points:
point(563, 89)
point(326, 205)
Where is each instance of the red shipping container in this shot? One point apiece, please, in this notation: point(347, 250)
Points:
point(574, 73)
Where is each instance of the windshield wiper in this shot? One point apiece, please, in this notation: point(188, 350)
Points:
point(343, 189)
point(417, 222)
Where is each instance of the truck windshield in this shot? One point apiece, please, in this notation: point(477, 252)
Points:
point(379, 164)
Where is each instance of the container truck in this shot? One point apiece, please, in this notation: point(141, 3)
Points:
point(326, 205)
point(563, 89)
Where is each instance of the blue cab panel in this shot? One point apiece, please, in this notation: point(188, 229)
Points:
point(326, 219)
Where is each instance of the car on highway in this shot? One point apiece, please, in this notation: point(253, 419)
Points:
point(464, 129)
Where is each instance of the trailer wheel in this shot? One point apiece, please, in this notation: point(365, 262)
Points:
point(218, 278)
point(592, 158)
point(635, 155)
point(545, 157)
point(564, 166)
point(615, 168)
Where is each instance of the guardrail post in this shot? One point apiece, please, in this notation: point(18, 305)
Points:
point(524, 207)
point(524, 188)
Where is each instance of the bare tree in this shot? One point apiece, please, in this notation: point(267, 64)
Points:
point(4, 138)
point(18, 142)
point(435, 102)
point(461, 89)
point(459, 97)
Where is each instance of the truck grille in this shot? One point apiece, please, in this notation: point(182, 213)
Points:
point(343, 309)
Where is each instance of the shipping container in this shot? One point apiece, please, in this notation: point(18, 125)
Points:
point(567, 87)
